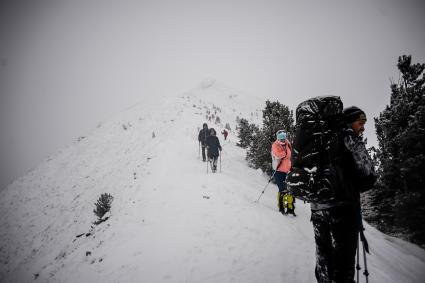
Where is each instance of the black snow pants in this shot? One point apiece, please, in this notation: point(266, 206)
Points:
point(336, 233)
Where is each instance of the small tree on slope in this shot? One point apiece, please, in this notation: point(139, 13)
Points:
point(103, 205)
point(246, 132)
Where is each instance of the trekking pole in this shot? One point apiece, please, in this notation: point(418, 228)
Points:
point(365, 250)
point(264, 189)
point(206, 156)
point(365, 246)
point(220, 163)
point(358, 259)
point(366, 272)
point(271, 178)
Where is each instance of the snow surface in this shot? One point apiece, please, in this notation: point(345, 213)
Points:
point(170, 220)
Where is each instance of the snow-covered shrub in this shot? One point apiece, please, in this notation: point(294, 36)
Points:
point(103, 205)
point(245, 133)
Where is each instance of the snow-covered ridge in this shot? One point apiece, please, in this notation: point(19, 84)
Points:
point(170, 220)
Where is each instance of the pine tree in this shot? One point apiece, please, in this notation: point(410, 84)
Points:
point(277, 116)
point(258, 156)
point(245, 133)
point(103, 205)
point(399, 198)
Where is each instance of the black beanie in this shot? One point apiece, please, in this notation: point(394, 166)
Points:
point(353, 113)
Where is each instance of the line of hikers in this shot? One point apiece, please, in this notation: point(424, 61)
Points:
point(209, 141)
point(328, 166)
point(281, 160)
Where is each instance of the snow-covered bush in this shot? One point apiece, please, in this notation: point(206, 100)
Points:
point(103, 205)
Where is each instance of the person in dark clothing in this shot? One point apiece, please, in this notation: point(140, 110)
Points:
point(214, 148)
point(202, 138)
point(337, 219)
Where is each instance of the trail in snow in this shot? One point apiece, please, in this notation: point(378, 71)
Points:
point(170, 221)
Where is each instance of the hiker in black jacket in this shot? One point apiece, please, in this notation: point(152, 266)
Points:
point(337, 219)
point(214, 148)
point(202, 138)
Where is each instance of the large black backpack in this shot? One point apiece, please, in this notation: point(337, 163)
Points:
point(316, 149)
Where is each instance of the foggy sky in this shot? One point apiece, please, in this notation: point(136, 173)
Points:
point(67, 65)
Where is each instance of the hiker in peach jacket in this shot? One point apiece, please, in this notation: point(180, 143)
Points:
point(281, 163)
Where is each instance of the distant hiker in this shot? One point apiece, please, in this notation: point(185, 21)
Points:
point(214, 148)
point(281, 162)
point(331, 168)
point(224, 133)
point(202, 138)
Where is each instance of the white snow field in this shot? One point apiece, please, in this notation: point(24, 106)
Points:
point(170, 221)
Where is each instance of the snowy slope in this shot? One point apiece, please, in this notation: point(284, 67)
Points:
point(170, 220)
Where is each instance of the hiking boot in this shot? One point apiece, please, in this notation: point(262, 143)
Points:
point(280, 203)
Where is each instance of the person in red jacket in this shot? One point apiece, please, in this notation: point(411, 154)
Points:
point(281, 162)
point(225, 133)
